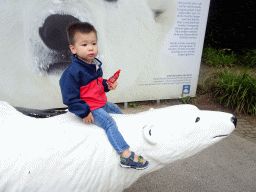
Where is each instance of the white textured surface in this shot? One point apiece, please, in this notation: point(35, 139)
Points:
point(62, 153)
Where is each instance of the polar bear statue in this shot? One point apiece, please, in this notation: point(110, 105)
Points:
point(34, 49)
point(62, 153)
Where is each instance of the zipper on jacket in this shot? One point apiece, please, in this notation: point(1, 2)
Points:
point(100, 91)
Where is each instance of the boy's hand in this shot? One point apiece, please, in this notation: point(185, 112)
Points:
point(113, 86)
point(89, 119)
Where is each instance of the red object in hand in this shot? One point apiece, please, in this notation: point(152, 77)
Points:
point(112, 79)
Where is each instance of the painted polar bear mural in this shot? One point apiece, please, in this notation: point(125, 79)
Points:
point(62, 153)
point(34, 48)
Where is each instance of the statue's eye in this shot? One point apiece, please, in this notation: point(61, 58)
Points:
point(197, 119)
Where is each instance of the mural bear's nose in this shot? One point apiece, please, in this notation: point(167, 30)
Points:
point(234, 120)
point(53, 33)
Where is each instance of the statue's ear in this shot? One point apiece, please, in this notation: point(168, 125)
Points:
point(148, 134)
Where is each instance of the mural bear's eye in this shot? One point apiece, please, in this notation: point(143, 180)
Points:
point(111, 0)
point(197, 119)
point(157, 12)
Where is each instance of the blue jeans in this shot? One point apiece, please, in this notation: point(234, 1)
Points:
point(105, 121)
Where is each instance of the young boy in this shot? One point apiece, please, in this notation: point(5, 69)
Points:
point(83, 91)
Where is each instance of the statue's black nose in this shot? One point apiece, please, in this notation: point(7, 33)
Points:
point(53, 33)
point(234, 120)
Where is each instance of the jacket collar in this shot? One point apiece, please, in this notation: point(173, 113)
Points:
point(80, 61)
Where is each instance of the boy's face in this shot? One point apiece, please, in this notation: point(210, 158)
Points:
point(85, 47)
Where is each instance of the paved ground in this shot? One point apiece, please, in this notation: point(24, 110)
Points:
point(228, 166)
point(245, 130)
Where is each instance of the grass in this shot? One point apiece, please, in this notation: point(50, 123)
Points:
point(133, 104)
point(219, 58)
point(248, 58)
point(236, 90)
point(226, 57)
point(234, 84)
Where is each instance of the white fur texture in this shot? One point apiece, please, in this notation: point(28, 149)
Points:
point(62, 153)
point(130, 39)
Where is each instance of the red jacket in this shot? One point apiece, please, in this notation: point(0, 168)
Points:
point(83, 88)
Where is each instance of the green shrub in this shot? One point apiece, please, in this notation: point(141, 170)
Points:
point(248, 58)
point(236, 90)
point(219, 58)
point(222, 57)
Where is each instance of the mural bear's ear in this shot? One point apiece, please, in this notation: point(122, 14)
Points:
point(148, 135)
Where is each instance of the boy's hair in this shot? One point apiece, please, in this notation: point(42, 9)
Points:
point(82, 27)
